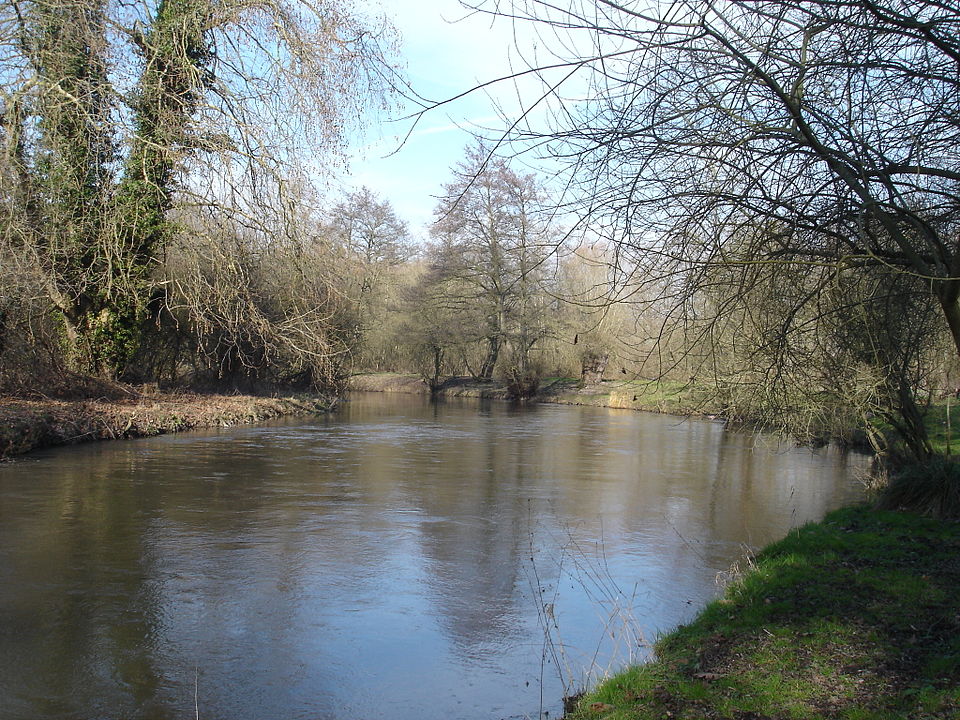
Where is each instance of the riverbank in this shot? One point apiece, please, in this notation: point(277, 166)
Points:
point(647, 395)
point(854, 617)
point(29, 424)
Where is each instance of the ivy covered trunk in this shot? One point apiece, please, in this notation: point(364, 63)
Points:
point(69, 189)
point(99, 237)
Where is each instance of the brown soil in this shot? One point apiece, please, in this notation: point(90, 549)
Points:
point(26, 424)
point(611, 394)
point(413, 385)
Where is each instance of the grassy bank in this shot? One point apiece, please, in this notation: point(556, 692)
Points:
point(36, 423)
point(856, 617)
point(661, 396)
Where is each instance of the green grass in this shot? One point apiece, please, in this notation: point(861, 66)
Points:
point(857, 617)
point(665, 396)
point(943, 426)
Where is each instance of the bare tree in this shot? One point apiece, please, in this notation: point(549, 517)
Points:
point(114, 114)
point(495, 242)
point(369, 227)
point(375, 242)
point(819, 139)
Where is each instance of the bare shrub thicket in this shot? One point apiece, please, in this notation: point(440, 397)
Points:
point(252, 313)
point(114, 118)
point(375, 245)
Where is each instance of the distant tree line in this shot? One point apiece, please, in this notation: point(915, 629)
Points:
point(499, 290)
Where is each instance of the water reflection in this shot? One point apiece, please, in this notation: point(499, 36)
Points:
point(384, 562)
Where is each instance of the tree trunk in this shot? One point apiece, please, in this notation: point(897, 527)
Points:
point(490, 361)
point(947, 294)
point(592, 367)
point(437, 368)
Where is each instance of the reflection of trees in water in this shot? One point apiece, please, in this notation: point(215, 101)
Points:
point(474, 552)
point(265, 543)
point(761, 487)
point(83, 622)
point(135, 557)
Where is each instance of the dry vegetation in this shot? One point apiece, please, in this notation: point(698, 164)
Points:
point(27, 424)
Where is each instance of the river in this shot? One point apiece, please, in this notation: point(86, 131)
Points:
point(397, 559)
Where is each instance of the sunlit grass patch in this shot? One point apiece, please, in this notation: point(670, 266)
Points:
point(857, 617)
point(665, 396)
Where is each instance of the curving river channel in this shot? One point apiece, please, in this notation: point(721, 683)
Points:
point(398, 559)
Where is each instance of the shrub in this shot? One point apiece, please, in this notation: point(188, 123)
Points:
point(930, 488)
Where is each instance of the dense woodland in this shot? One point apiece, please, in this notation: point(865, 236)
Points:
point(760, 198)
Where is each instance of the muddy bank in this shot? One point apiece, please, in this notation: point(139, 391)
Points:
point(415, 385)
point(28, 424)
point(643, 395)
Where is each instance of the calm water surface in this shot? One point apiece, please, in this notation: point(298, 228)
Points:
point(395, 560)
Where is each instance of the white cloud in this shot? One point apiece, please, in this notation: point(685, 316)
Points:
point(465, 125)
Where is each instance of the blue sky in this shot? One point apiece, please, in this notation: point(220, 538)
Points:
point(445, 51)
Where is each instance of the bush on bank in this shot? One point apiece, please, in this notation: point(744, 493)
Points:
point(931, 488)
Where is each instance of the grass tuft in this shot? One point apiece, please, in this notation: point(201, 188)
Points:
point(932, 489)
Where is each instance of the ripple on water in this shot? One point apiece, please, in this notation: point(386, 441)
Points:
point(392, 560)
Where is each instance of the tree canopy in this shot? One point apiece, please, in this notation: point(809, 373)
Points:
point(809, 147)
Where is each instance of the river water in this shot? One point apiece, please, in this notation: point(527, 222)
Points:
point(398, 559)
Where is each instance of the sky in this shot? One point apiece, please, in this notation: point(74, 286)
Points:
point(445, 51)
